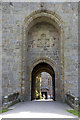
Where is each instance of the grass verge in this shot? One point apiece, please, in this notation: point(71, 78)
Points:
point(2, 111)
point(74, 112)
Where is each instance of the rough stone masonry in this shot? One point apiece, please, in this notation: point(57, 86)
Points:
point(34, 33)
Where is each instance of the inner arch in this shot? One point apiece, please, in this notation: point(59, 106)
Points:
point(41, 67)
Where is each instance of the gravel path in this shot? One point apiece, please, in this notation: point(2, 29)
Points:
point(39, 109)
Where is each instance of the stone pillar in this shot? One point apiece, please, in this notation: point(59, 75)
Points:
point(34, 88)
point(22, 91)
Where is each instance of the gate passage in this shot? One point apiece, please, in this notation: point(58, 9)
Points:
point(36, 76)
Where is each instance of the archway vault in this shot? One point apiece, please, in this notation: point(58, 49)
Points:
point(45, 60)
point(43, 67)
point(32, 19)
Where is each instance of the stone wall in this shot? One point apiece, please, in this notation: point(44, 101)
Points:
point(13, 16)
point(79, 53)
point(0, 56)
point(46, 83)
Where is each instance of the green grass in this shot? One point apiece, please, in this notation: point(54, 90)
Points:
point(2, 111)
point(74, 112)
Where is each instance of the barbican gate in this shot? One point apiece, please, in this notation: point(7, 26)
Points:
point(39, 37)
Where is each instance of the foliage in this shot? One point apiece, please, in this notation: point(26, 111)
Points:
point(38, 96)
point(5, 110)
point(74, 112)
point(38, 84)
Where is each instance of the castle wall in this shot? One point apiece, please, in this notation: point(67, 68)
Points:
point(13, 15)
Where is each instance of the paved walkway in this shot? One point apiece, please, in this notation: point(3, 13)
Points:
point(39, 109)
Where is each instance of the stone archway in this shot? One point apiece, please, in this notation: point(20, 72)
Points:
point(41, 16)
point(53, 70)
point(41, 67)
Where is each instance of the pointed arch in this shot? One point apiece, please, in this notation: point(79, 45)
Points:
point(34, 18)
